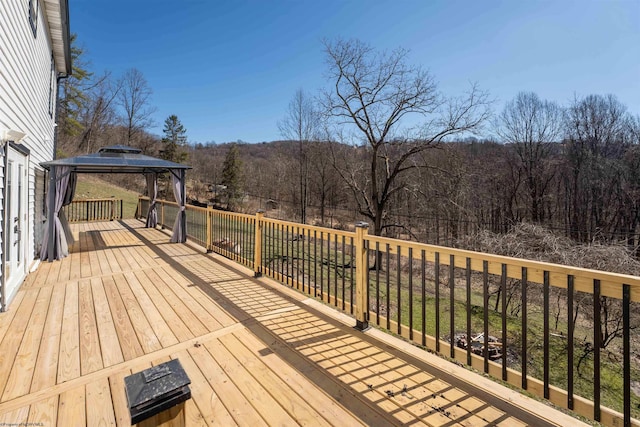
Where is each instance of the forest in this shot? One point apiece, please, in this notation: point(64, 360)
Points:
point(383, 145)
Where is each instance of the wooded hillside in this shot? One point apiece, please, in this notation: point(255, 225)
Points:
point(349, 154)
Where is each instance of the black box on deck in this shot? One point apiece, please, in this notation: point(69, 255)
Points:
point(156, 389)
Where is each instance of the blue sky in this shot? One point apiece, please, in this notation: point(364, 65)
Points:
point(228, 68)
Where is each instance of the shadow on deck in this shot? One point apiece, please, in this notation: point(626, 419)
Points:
point(257, 352)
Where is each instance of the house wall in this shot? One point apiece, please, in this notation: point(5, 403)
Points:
point(27, 92)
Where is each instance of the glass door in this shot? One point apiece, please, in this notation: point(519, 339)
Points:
point(15, 221)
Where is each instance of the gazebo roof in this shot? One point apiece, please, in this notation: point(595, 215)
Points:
point(116, 159)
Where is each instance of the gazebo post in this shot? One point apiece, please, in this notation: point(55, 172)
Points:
point(184, 204)
point(50, 212)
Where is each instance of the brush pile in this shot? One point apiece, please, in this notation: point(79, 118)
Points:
point(538, 243)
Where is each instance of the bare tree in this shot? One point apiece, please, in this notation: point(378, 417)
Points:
point(634, 129)
point(134, 98)
point(97, 115)
point(323, 181)
point(148, 143)
point(374, 94)
point(301, 124)
point(597, 139)
point(533, 126)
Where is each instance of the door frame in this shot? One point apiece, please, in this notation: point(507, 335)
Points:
point(19, 275)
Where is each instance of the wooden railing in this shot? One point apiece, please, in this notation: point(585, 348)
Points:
point(560, 332)
point(93, 210)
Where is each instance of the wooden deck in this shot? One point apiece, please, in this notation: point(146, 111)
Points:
point(257, 352)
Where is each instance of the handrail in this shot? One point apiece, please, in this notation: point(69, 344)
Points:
point(583, 281)
point(86, 210)
point(448, 300)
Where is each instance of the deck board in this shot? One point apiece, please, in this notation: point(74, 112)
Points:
point(273, 384)
point(195, 325)
point(69, 356)
point(54, 270)
point(90, 354)
point(7, 317)
point(109, 344)
point(261, 399)
point(105, 265)
point(231, 396)
point(44, 412)
point(86, 244)
point(71, 407)
point(15, 417)
point(47, 363)
point(75, 269)
point(60, 274)
point(318, 399)
point(129, 344)
point(13, 337)
point(21, 375)
point(256, 352)
point(219, 315)
point(98, 399)
point(178, 328)
point(156, 321)
point(211, 408)
point(119, 400)
point(146, 337)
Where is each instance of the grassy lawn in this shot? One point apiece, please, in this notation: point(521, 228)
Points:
point(90, 187)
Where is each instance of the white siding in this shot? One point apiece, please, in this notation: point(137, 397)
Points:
point(25, 79)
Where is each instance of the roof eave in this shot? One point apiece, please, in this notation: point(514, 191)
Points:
point(66, 31)
point(115, 168)
point(57, 15)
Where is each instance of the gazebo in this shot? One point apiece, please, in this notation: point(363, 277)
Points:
point(114, 159)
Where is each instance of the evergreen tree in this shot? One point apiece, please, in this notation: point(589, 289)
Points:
point(73, 94)
point(174, 140)
point(232, 177)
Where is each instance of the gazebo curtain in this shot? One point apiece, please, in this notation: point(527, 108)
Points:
point(65, 187)
point(68, 198)
point(179, 234)
point(152, 191)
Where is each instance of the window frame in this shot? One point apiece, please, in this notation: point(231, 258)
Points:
point(51, 87)
point(33, 15)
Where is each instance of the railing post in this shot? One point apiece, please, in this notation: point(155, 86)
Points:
point(209, 229)
point(257, 249)
point(113, 209)
point(162, 215)
point(361, 252)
